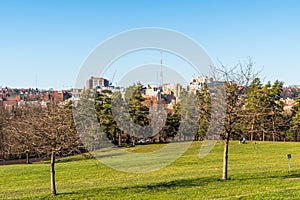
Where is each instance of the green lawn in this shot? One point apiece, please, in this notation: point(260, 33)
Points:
point(256, 171)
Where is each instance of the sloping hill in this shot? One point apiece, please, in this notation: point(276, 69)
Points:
point(256, 171)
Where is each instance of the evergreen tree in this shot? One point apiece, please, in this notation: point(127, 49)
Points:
point(205, 112)
point(86, 119)
point(138, 112)
point(121, 116)
point(190, 116)
point(104, 114)
point(172, 123)
point(273, 110)
point(254, 109)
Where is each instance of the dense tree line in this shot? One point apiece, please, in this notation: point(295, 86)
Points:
point(257, 114)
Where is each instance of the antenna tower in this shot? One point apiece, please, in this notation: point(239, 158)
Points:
point(161, 70)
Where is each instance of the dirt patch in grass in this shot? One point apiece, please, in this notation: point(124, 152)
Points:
point(294, 179)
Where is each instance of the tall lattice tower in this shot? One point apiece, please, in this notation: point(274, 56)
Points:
point(161, 70)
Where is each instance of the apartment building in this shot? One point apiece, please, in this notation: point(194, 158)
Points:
point(95, 82)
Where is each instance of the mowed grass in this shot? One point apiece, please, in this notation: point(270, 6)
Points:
point(256, 171)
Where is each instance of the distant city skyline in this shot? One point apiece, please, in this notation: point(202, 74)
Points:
point(44, 43)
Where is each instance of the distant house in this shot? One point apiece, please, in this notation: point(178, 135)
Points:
point(56, 96)
point(13, 98)
point(10, 101)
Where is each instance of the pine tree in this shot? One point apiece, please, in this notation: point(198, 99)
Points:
point(205, 112)
point(138, 112)
point(254, 109)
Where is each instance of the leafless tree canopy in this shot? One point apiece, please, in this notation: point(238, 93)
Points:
point(34, 130)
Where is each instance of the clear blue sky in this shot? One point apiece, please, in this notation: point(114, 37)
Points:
point(51, 39)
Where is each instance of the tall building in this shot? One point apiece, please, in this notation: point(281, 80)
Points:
point(95, 82)
point(202, 80)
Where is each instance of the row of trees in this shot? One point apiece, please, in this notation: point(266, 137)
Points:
point(260, 113)
point(257, 113)
point(34, 130)
point(132, 116)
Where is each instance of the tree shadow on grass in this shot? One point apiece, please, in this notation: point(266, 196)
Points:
point(181, 183)
point(263, 175)
point(292, 175)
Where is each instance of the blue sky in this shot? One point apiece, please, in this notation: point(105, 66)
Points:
point(51, 39)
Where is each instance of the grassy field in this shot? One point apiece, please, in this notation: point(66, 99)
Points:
point(256, 171)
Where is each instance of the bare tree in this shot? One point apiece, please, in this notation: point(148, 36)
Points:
point(236, 81)
point(57, 134)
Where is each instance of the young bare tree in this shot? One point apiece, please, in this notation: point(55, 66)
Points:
point(236, 81)
point(57, 134)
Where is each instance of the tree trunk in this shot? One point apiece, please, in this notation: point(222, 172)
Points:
point(1, 145)
point(119, 139)
point(274, 129)
point(52, 173)
point(252, 128)
point(27, 157)
point(133, 141)
point(225, 159)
